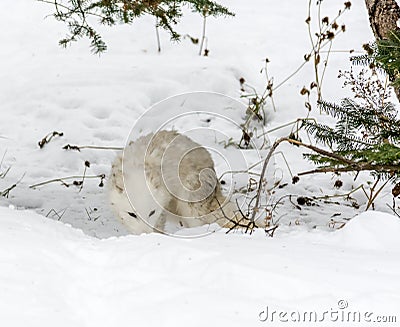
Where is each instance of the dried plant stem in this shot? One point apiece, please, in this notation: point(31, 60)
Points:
point(59, 214)
point(343, 195)
point(242, 171)
point(158, 37)
point(373, 194)
point(291, 75)
point(268, 91)
point(7, 191)
point(316, 47)
point(353, 166)
point(3, 174)
point(83, 178)
point(324, 70)
point(203, 37)
point(62, 179)
point(263, 171)
point(92, 147)
point(45, 140)
point(393, 209)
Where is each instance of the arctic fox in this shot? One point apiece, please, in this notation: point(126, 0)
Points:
point(168, 179)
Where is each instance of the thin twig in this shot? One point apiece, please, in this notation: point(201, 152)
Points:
point(373, 198)
point(7, 191)
point(59, 216)
point(269, 88)
point(394, 211)
point(263, 171)
point(62, 179)
point(353, 166)
point(204, 35)
point(48, 138)
point(343, 195)
point(92, 147)
point(325, 65)
point(158, 36)
point(242, 171)
point(3, 174)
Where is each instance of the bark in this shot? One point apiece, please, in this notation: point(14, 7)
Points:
point(383, 17)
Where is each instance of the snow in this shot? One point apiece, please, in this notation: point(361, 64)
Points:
point(94, 273)
point(367, 230)
point(53, 274)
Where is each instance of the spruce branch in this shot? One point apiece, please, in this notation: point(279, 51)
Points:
point(78, 16)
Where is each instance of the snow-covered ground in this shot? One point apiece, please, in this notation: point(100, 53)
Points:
point(52, 274)
point(93, 275)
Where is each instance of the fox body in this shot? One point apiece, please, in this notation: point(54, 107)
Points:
point(167, 179)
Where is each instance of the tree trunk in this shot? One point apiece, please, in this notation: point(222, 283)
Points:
point(383, 17)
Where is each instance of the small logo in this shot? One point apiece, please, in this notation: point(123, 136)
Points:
point(342, 304)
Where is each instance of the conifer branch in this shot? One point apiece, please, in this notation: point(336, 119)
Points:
point(75, 14)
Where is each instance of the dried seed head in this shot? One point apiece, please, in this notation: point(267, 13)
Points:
point(330, 35)
point(301, 200)
point(368, 49)
point(396, 190)
point(304, 91)
point(338, 183)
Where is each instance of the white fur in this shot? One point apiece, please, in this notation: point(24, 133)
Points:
point(167, 178)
